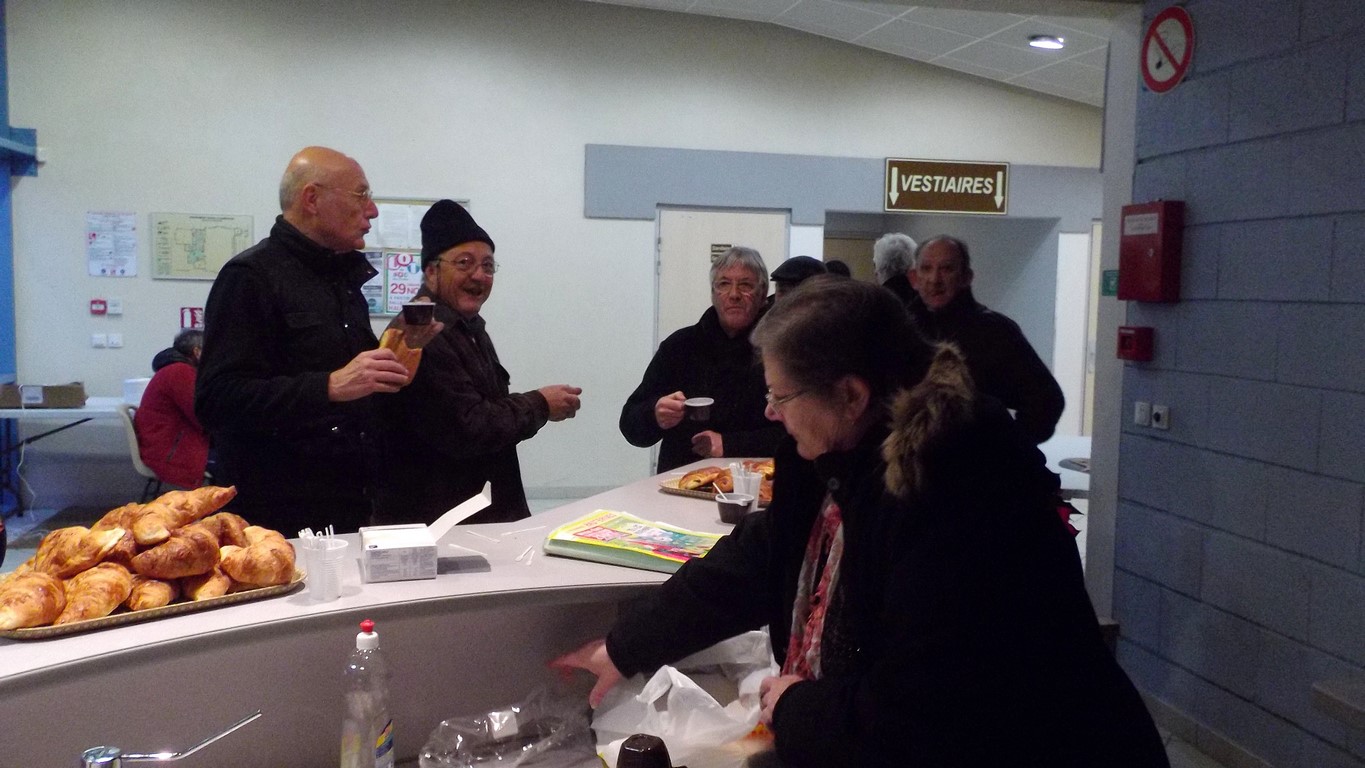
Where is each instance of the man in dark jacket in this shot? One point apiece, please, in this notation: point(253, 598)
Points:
point(892, 256)
point(1002, 362)
point(457, 425)
point(290, 363)
point(710, 359)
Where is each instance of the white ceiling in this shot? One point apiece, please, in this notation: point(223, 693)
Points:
point(987, 38)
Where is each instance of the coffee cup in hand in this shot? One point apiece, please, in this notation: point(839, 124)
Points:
point(419, 312)
point(699, 408)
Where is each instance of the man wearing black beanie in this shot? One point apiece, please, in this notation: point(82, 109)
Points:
point(457, 425)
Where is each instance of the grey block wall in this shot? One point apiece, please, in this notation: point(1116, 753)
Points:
point(1240, 567)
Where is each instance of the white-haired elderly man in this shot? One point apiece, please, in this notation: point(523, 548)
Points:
point(892, 257)
point(714, 359)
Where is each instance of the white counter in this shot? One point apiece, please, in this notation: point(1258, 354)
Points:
point(474, 638)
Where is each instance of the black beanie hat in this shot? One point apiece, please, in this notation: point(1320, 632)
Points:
point(446, 225)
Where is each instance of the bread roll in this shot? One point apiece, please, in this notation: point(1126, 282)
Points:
point(95, 593)
point(267, 560)
point(395, 339)
point(66, 552)
point(33, 599)
point(215, 583)
point(700, 478)
point(151, 593)
point(189, 551)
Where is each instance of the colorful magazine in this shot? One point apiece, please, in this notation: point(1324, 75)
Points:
point(619, 538)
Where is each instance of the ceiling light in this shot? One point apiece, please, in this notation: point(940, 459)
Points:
point(1048, 42)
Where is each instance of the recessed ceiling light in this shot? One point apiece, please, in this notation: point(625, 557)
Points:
point(1048, 42)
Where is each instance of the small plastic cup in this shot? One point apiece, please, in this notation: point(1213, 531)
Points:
point(746, 482)
point(733, 506)
point(419, 312)
point(699, 408)
point(324, 559)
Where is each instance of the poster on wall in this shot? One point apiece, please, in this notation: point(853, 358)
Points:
point(194, 246)
point(373, 289)
point(399, 225)
point(111, 243)
point(403, 275)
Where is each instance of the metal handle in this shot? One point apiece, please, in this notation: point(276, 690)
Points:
point(113, 757)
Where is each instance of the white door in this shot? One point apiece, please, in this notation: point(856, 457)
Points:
point(688, 241)
point(1071, 327)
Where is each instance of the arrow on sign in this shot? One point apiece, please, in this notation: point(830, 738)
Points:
point(999, 188)
point(894, 192)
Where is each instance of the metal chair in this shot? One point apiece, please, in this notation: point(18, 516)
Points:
point(153, 485)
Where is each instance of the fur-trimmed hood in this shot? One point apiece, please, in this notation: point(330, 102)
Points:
point(941, 401)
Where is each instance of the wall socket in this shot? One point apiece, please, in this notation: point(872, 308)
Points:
point(1161, 417)
point(116, 341)
point(99, 340)
point(1142, 413)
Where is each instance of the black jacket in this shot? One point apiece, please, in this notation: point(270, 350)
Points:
point(1001, 360)
point(702, 361)
point(968, 638)
point(455, 427)
point(281, 316)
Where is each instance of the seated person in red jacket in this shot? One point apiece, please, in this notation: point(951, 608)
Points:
point(169, 437)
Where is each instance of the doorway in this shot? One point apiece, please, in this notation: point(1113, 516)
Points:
point(689, 239)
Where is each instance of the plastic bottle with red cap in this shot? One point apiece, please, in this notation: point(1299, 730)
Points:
point(367, 729)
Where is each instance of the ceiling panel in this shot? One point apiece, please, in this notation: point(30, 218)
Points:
point(985, 43)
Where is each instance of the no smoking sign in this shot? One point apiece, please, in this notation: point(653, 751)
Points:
point(1167, 49)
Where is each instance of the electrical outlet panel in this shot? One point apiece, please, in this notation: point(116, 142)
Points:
point(1142, 413)
point(115, 341)
point(99, 340)
point(1161, 417)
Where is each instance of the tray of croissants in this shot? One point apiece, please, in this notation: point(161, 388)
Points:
point(706, 482)
point(176, 554)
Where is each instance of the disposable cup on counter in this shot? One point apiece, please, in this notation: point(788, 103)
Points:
point(733, 506)
point(324, 559)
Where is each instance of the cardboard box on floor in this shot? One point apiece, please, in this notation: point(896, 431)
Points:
point(42, 395)
point(402, 552)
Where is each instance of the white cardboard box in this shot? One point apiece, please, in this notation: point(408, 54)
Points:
point(403, 552)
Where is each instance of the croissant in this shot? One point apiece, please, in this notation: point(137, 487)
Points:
point(95, 593)
point(394, 339)
point(31, 600)
point(699, 478)
point(123, 551)
point(208, 585)
point(20, 570)
point(118, 517)
point(66, 552)
point(150, 593)
point(155, 521)
point(268, 559)
point(189, 551)
point(227, 527)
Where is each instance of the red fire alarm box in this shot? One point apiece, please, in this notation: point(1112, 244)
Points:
point(1136, 343)
point(1149, 251)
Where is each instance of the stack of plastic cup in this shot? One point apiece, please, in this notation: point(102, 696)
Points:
point(746, 482)
point(324, 558)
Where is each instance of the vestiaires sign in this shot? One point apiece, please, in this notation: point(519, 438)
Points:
point(947, 186)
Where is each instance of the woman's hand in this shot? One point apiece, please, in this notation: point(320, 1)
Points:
point(769, 691)
point(592, 657)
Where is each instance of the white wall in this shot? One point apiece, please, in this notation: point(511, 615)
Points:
point(184, 106)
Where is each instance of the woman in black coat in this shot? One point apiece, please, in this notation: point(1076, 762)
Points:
point(925, 602)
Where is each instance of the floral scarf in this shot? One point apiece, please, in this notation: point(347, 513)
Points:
point(816, 588)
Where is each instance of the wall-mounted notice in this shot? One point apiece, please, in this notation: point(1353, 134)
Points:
point(403, 273)
point(111, 244)
point(399, 226)
point(194, 246)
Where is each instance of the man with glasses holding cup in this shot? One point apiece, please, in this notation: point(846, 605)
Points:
point(457, 425)
point(290, 365)
point(712, 360)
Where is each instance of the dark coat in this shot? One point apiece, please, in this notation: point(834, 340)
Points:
point(455, 427)
point(1001, 360)
point(281, 316)
point(965, 631)
point(702, 361)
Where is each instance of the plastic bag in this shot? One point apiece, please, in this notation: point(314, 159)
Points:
point(705, 707)
point(548, 728)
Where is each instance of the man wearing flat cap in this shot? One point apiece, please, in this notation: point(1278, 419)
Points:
point(457, 425)
point(793, 272)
